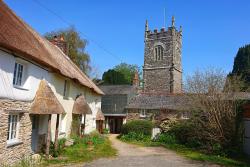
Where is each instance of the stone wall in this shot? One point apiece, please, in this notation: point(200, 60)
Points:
point(163, 75)
point(157, 115)
point(10, 154)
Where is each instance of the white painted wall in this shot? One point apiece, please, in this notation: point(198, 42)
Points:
point(94, 101)
point(31, 79)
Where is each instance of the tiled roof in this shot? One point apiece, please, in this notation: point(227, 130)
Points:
point(117, 89)
point(158, 101)
point(16, 36)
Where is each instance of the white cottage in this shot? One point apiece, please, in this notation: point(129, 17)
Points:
point(32, 69)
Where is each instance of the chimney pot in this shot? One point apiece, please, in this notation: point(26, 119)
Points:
point(155, 30)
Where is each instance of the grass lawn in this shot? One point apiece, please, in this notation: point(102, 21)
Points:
point(193, 154)
point(85, 150)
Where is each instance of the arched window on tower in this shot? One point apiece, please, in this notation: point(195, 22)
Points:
point(158, 52)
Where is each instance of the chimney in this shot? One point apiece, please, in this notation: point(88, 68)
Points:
point(136, 79)
point(60, 43)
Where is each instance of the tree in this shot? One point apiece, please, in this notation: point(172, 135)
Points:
point(241, 67)
point(120, 74)
point(113, 77)
point(215, 106)
point(76, 47)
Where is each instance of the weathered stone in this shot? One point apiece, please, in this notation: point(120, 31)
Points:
point(163, 75)
point(14, 153)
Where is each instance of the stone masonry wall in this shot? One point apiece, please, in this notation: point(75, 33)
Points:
point(157, 73)
point(13, 153)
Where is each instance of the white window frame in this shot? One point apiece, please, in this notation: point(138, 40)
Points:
point(17, 76)
point(10, 139)
point(143, 113)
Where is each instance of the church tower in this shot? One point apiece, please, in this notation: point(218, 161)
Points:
point(162, 70)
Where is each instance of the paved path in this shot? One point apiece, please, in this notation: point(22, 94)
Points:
point(135, 156)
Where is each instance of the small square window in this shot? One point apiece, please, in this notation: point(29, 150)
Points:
point(13, 127)
point(18, 74)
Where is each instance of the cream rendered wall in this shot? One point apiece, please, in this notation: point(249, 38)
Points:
point(31, 79)
point(94, 101)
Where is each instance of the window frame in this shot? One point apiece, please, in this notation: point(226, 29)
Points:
point(158, 52)
point(10, 130)
point(66, 87)
point(17, 81)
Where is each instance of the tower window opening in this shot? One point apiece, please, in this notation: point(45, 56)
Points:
point(158, 53)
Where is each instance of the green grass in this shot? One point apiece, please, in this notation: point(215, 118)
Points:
point(193, 154)
point(82, 151)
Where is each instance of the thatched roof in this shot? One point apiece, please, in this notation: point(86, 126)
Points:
point(99, 115)
point(45, 101)
point(16, 36)
point(81, 106)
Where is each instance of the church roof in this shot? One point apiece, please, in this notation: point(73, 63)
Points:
point(158, 101)
point(117, 89)
point(16, 36)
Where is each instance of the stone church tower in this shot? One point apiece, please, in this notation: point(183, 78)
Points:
point(162, 70)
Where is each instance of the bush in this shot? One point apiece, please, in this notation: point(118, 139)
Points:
point(61, 145)
point(132, 136)
point(137, 126)
point(165, 138)
point(185, 132)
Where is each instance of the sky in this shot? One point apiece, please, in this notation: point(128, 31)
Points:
point(213, 30)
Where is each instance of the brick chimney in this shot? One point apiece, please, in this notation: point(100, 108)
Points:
point(136, 81)
point(61, 43)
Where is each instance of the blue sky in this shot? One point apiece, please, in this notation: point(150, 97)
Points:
point(213, 30)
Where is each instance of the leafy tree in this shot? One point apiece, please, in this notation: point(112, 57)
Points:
point(120, 74)
point(241, 66)
point(113, 77)
point(76, 47)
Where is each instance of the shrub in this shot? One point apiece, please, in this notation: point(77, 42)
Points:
point(165, 138)
point(132, 136)
point(143, 127)
point(61, 146)
point(185, 132)
point(105, 131)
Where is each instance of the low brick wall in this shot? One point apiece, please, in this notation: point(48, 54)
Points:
point(10, 154)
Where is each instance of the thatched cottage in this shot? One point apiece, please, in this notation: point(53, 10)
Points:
point(41, 91)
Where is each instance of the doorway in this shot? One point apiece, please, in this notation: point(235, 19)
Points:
point(34, 133)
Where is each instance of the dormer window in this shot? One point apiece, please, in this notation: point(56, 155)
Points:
point(18, 74)
point(158, 52)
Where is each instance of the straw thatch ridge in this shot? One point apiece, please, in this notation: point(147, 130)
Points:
point(99, 115)
point(45, 101)
point(81, 106)
point(17, 37)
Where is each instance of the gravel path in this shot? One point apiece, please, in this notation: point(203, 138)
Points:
point(135, 156)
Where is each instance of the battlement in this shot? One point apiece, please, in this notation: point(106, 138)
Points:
point(171, 30)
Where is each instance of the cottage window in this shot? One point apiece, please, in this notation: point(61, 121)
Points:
point(66, 89)
point(13, 126)
point(143, 113)
point(18, 74)
point(158, 52)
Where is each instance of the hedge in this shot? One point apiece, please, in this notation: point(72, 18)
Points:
point(137, 126)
